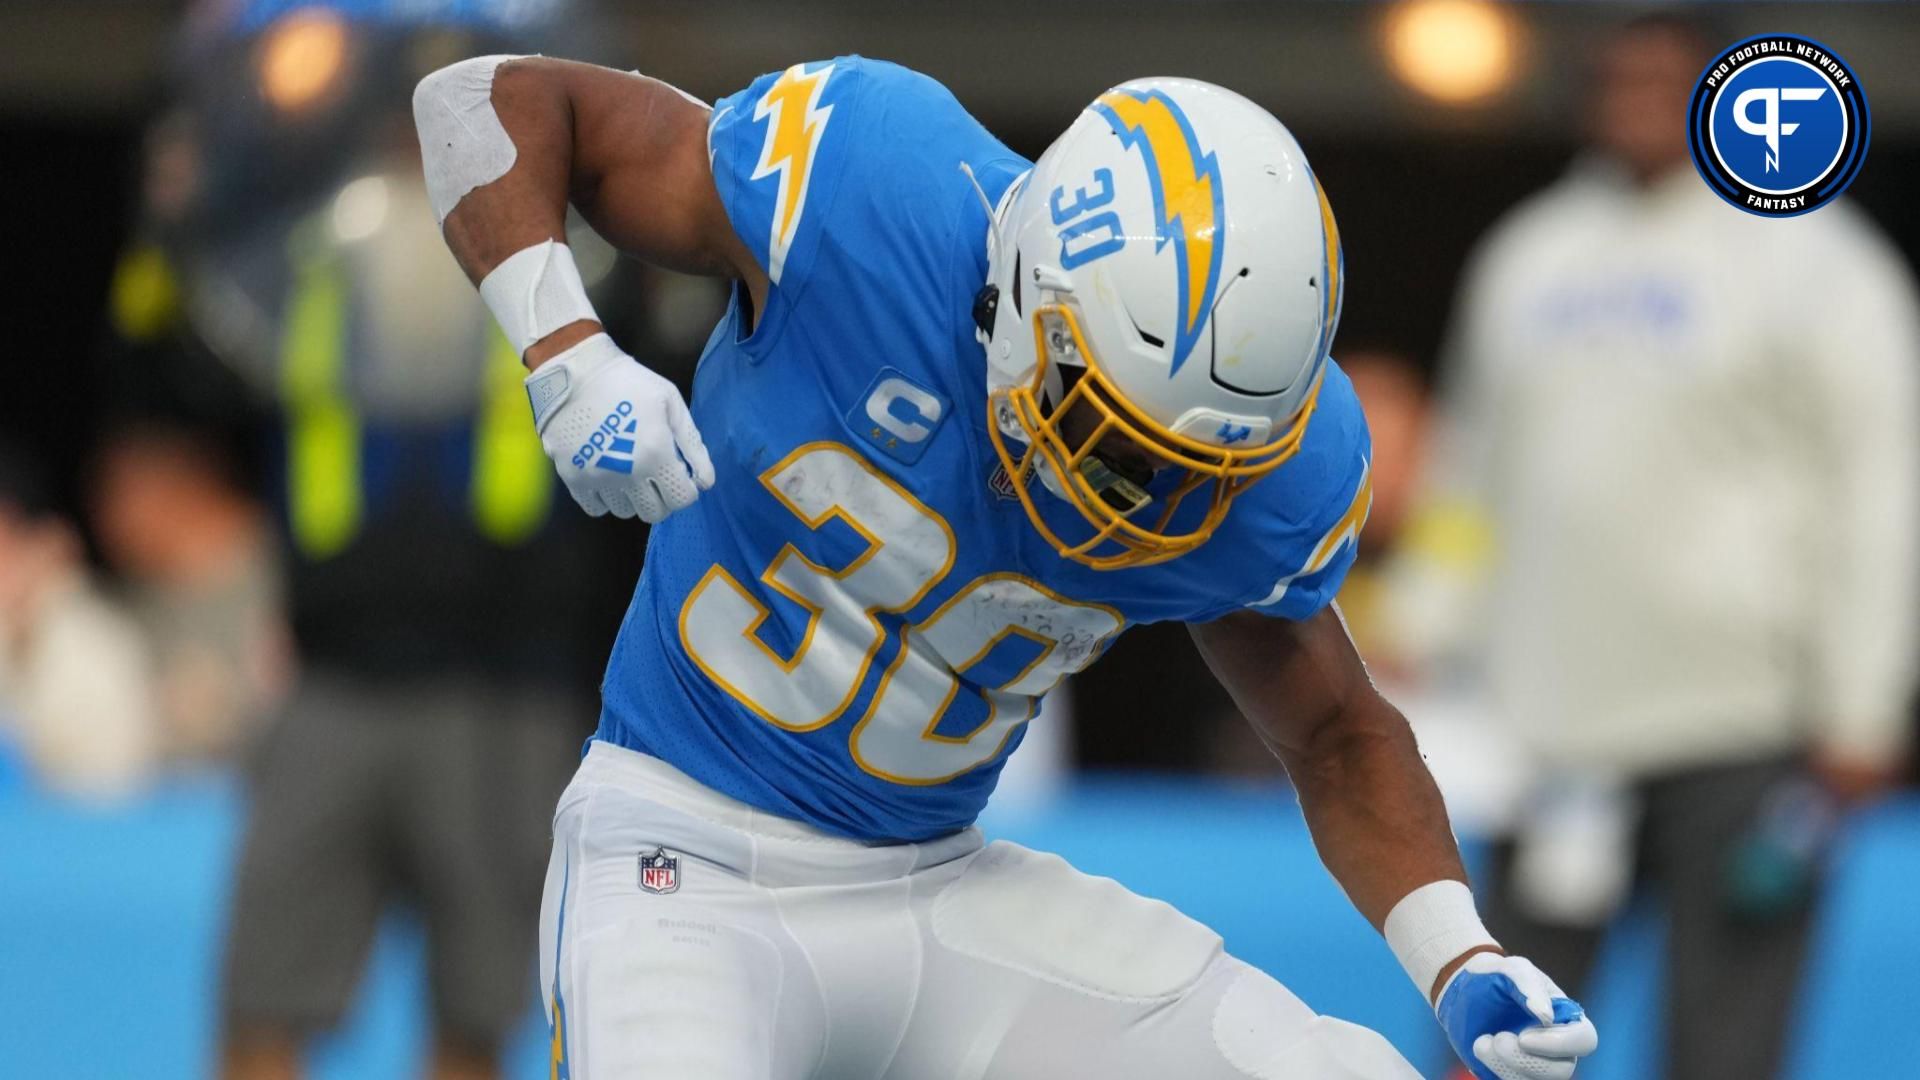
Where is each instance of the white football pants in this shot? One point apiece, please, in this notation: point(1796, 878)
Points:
point(782, 952)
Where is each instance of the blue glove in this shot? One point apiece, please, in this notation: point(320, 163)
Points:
point(1508, 1021)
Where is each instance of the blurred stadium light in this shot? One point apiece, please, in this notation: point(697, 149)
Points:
point(1455, 51)
point(301, 58)
point(360, 208)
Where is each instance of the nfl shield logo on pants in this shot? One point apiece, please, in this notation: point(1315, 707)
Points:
point(659, 871)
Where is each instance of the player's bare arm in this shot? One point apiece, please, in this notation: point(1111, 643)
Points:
point(1376, 816)
point(628, 151)
point(506, 144)
point(1381, 828)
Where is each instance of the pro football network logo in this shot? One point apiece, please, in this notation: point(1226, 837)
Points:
point(659, 871)
point(1778, 125)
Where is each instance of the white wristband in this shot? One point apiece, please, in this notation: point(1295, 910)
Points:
point(1430, 927)
point(536, 291)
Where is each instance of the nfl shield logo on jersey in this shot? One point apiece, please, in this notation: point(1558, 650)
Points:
point(659, 871)
point(1000, 484)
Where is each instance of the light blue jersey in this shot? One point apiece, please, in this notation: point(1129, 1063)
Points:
point(853, 626)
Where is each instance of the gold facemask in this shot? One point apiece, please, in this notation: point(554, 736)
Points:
point(1107, 499)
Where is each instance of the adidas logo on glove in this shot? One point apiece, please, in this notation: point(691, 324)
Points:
point(607, 468)
point(611, 443)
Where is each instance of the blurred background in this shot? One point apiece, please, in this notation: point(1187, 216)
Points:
point(297, 644)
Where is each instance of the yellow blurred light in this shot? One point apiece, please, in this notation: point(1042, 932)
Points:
point(301, 57)
point(144, 296)
point(1455, 51)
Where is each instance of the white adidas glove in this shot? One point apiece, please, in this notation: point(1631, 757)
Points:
point(619, 435)
point(1508, 1021)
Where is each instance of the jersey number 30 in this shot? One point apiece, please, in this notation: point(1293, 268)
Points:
point(909, 549)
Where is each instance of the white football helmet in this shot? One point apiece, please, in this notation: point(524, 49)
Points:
point(1171, 263)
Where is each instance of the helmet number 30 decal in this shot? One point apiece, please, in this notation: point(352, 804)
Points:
point(1086, 236)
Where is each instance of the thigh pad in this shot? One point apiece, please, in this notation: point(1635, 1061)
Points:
point(1032, 912)
point(1266, 1033)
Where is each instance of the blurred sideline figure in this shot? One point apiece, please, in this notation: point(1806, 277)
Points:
point(75, 686)
point(1393, 393)
point(201, 577)
point(442, 677)
point(1692, 433)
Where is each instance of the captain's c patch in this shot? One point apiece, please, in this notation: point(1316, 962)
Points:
point(898, 416)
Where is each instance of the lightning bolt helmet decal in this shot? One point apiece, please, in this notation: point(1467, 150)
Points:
point(1187, 200)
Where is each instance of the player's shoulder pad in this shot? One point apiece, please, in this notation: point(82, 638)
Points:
point(1305, 518)
point(790, 150)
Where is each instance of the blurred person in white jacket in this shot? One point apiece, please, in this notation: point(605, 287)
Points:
point(75, 693)
point(1692, 432)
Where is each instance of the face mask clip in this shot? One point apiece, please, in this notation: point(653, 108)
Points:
point(986, 307)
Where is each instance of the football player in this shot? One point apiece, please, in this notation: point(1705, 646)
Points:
point(965, 420)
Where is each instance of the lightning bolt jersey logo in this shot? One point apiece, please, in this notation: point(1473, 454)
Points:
point(1344, 532)
point(795, 121)
point(1187, 200)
